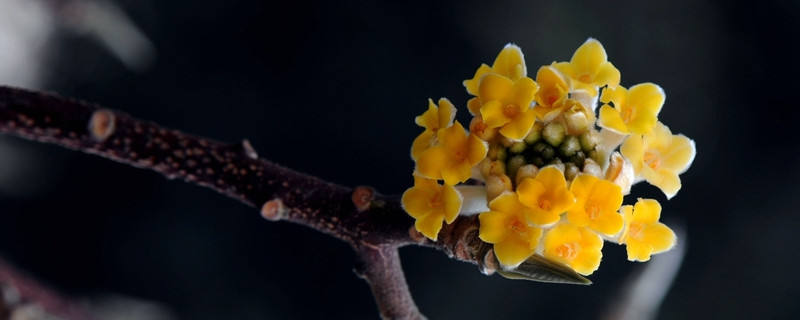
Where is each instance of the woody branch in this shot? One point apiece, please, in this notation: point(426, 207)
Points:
point(374, 225)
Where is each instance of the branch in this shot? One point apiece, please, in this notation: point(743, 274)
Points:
point(374, 225)
point(23, 297)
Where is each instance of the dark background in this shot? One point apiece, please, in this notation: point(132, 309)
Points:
point(331, 88)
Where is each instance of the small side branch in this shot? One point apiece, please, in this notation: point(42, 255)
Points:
point(22, 296)
point(380, 267)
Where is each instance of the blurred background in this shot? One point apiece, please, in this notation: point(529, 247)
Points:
point(331, 89)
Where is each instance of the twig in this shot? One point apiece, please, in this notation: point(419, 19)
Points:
point(373, 224)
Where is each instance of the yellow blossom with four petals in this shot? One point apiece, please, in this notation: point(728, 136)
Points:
point(546, 195)
point(506, 104)
point(643, 235)
point(553, 90)
point(659, 157)
point(453, 158)
point(597, 202)
point(506, 226)
point(634, 110)
point(579, 248)
point(431, 203)
point(589, 68)
point(510, 63)
point(432, 120)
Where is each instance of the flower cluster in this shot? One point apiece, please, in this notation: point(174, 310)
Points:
point(551, 158)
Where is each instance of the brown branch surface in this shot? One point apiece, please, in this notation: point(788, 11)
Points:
point(374, 224)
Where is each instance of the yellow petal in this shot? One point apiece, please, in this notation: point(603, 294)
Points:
point(607, 74)
point(588, 58)
point(666, 180)
point(493, 114)
point(647, 211)
point(529, 192)
point(447, 113)
point(611, 120)
point(647, 97)
point(453, 138)
point(518, 128)
point(494, 226)
point(551, 178)
point(524, 91)
point(431, 162)
point(638, 251)
point(680, 154)
point(659, 237)
point(477, 149)
point(633, 149)
point(454, 173)
point(474, 106)
point(512, 251)
point(430, 118)
point(588, 261)
point(416, 201)
point(451, 200)
point(618, 96)
point(495, 87)
point(472, 84)
point(429, 225)
point(421, 143)
point(510, 63)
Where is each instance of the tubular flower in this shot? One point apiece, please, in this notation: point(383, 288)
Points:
point(643, 235)
point(589, 68)
point(579, 248)
point(429, 203)
point(510, 63)
point(631, 111)
point(506, 227)
point(597, 202)
point(552, 92)
point(546, 195)
point(432, 120)
point(505, 104)
point(454, 157)
point(553, 179)
point(659, 157)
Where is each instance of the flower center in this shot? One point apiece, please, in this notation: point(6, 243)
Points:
point(635, 230)
point(568, 251)
point(593, 210)
point(436, 200)
point(586, 78)
point(627, 114)
point(545, 204)
point(459, 155)
point(652, 160)
point(519, 228)
point(480, 127)
point(511, 110)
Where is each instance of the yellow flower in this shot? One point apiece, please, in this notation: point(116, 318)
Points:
point(643, 235)
point(432, 120)
point(597, 202)
point(589, 68)
point(506, 227)
point(631, 111)
point(659, 157)
point(506, 104)
point(579, 248)
point(429, 203)
point(546, 195)
point(552, 92)
point(509, 63)
point(452, 160)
